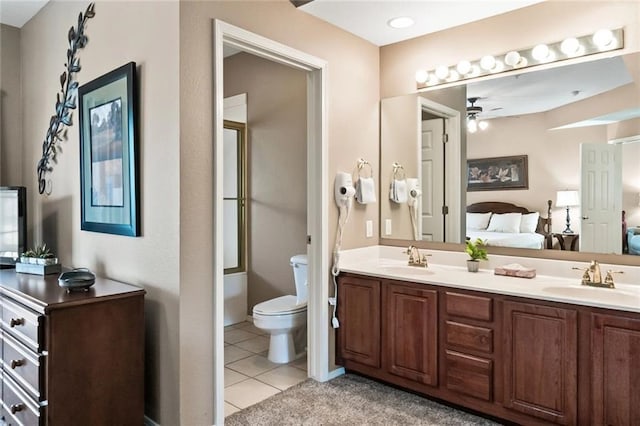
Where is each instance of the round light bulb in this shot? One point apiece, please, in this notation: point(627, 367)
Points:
point(472, 126)
point(422, 76)
point(442, 72)
point(512, 58)
point(475, 71)
point(483, 125)
point(498, 67)
point(603, 39)
point(433, 80)
point(453, 76)
point(570, 46)
point(400, 22)
point(487, 62)
point(464, 67)
point(540, 52)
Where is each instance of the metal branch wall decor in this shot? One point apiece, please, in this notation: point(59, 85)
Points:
point(65, 100)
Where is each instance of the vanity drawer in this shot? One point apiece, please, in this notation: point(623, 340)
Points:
point(468, 306)
point(18, 408)
point(469, 337)
point(23, 365)
point(22, 323)
point(469, 375)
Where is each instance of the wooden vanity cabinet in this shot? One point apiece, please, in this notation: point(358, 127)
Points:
point(410, 332)
point(540, 361)
point(615, 369)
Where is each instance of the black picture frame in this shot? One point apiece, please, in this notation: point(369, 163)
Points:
point(498, 173)
point(109, 169)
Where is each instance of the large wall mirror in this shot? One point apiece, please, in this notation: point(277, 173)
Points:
point(535, 136)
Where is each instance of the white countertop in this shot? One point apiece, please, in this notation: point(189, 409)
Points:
point(555, 280)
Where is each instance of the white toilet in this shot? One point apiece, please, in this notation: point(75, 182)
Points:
point(285, 317)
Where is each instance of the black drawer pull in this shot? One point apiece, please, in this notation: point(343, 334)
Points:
point(16, 321)
point(16, 363)
point(17, 407)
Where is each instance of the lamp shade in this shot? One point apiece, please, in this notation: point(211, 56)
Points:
point(567, 198)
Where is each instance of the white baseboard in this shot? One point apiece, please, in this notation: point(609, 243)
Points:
point(149, 422)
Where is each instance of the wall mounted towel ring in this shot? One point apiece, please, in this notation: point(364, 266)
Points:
point(362, 163)
point(398, 171)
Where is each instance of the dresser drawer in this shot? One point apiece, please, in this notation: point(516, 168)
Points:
point(468, 306)
point(469, 337)
point(22, 323)
point(469, 375)
point(23, 365)
point(18, 408)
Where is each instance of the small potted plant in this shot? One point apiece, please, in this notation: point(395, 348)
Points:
point(41, 256)
point(477, 252)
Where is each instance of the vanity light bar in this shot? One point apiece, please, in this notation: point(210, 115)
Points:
point(572, 47)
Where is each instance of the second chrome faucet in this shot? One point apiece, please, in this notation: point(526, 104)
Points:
point(415, 259)
point(593, 277)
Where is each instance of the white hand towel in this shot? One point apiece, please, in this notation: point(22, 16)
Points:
point(398, 192)
point(365, 191)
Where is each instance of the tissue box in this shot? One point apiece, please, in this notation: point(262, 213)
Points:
point(515, 270)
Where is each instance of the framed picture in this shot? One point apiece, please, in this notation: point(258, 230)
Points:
point(497, 173)
point(109, 185)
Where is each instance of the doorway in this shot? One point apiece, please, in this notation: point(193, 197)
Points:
point(317, 199)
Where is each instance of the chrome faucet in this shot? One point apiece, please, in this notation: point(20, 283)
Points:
point(415, 259)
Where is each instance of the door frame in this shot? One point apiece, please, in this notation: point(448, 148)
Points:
point(317, 198)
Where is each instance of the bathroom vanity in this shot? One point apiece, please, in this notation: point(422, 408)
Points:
point(539, 351)
point(70, 358)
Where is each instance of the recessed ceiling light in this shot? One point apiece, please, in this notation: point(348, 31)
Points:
point(400, 22)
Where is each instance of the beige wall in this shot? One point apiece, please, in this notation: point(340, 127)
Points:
point(548, 21)
point(10, 107)
point(277, 170)
point(147, 33)
point(352, 106)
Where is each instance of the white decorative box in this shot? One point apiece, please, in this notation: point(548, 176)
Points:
point(32, 268)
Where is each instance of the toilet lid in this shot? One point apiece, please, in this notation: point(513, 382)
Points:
point(280, 305)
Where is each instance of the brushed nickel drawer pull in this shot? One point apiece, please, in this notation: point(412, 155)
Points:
point(17, 407)
point(16, 321)
point(16, 363)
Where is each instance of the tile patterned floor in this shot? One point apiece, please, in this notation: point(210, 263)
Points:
point(249, 377)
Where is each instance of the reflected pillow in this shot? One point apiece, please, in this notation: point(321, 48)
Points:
point(506, 222)
point(478, 221)
point(529, 223)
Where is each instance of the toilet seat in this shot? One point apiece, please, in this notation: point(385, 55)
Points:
point(280, 306)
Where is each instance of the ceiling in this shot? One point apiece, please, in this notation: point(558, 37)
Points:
point(544, 90)
point(18, 12)
point(368, 19)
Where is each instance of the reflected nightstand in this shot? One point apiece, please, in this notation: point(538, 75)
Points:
point(571, 239)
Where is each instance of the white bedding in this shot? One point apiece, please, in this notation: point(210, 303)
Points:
point(505, 239)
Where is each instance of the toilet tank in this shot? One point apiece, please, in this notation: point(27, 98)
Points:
point(299, 265)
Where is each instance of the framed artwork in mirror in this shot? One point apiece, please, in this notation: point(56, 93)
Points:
point(109, 175)
point(497, 173)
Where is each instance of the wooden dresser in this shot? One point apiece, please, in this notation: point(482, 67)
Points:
point(70, 358)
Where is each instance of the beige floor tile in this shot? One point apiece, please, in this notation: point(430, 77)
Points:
point(229, 409)
point(256, 345)
point(238, 335)
point(233, 353)
point(300, 363)
point(252, 366)
point(283, 377)
point(253, 329)
point(232, 377)
point(248, 392)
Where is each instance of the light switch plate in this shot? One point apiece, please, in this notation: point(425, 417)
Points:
point(369, 230)
point(387, 227)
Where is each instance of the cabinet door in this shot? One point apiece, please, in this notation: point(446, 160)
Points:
point(359, 315)
point(411, 333)
point(615, 370)
point(540, 361)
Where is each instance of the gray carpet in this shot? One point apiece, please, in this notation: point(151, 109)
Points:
point(350, 400)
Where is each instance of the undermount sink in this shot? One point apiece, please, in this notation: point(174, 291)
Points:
point(420, 270)
point(612, 295)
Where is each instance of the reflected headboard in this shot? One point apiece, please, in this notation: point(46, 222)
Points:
point(544, 224)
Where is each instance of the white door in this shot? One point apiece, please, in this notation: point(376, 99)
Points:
point(601, 198)
point(432, 180)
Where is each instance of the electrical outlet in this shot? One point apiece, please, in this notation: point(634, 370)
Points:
point(387, 226)
point(369, 231)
